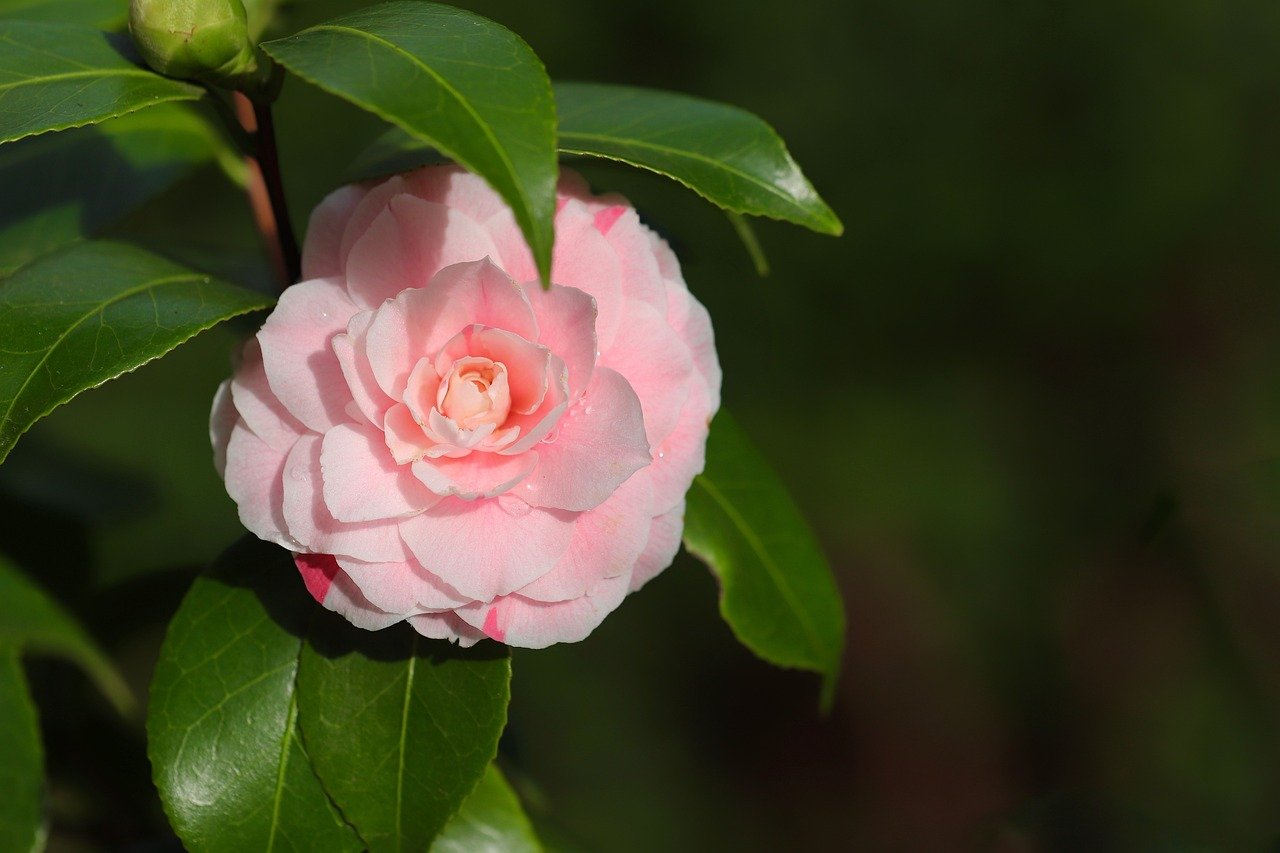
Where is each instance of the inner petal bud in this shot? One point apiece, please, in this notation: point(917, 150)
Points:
point(475, 392)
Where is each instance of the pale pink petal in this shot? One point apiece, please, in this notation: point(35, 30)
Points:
point(446, 626)
point(599, 443)
point(362, 482)
point(419, 322)
point(656, 363)
point(476, 475)
point(313, 525)
point(527, 363)
point(693, 324)
point(641, 277)
point(538, 425)
point(528, 624)
point(402, 587)
point(404, 436)
point(321, 256)
point(298, 356)
point(370, 208)
point(606, 543)
point(487, 548)
point(660, 550)
point(453, 437)
point(421, 389)
point(457, 188)
point(349, 349)
point(567, 327)
point(330, 586)
point(253, 479)
point(407, 244)
point(681, 456)
point(222, 419)
point(257, 403)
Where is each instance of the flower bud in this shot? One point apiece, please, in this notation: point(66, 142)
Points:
point(205, 40)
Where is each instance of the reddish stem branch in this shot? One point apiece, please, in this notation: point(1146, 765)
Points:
point(266, 191)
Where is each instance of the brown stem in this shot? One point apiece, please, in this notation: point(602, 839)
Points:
point(266, 191)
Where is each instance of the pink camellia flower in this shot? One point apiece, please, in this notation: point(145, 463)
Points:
point(440, 439)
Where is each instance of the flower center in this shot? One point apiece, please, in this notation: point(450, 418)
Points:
point(475, 392)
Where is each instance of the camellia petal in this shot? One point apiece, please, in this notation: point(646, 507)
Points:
point(362, 482)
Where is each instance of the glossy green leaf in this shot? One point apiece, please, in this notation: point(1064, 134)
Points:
point(74, 319)
point(21, 760)
point(100, 14)
point(400, 728)
point(32, 621)
point(458, 82)
point(725, 154)
point(91, 175)
point(490, 821)
point(776, 589)
point(222, 727)
point(54, 76)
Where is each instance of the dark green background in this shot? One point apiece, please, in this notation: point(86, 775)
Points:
point(1030, 401)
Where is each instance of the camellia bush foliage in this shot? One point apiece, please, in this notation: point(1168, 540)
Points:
point(273, 722)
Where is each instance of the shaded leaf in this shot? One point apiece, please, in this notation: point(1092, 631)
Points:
point(458, 82)
point(776, 589)
point(64, 186)
point(490, 821)
point(400, 728)
point(32, 621)
point(76, 318)
point(54, 76)
point(222, 727)
point(750, 242)
point(100, 14)
point(21, 760)
point(725, 154)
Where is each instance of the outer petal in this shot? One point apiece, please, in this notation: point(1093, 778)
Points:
point(370, 208)
point(641, 277)
point(476, 475)
point(606, 543)
point(401, 587)
point(567, 327)
point(600, 442)
point(297, 353)
point(321, 250)
point(692, 323)
point(222, 419)
point(446, 626)
point(257, 403)
point(419, 322)
point(457, 188)
point(656, 363)
point(682, 455)
point(487, 548)
point(517, 621)
point(330, 586)
point(407, 244)
point(253, 478)
point(660, 550)
point(361, 480)
point(313, 525)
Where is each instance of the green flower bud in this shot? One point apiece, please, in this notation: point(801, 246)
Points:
point(205, 40)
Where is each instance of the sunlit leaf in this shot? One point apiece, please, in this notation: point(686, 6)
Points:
point(490, 821)
point(222, 727)
point(400, 728)
point(21, 759)
point(458, 82)
point(92, 175)
point(776, 589)
point(54, 76)
point(31, 621)
point(74, 319)
point(723, 153)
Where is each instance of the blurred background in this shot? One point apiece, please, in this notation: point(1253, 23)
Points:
point(1030, 401)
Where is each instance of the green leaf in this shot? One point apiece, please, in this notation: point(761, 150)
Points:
point(55, 76)
point(92, 175)
point(750, 242)
point(100, 14)
point(723, 153)
point(490, 821)
point(459, 82)
point(74, 319)
point(32, 621)
point(400, 728)
point(776, 589)
point(222, 729)
point(21, 760)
